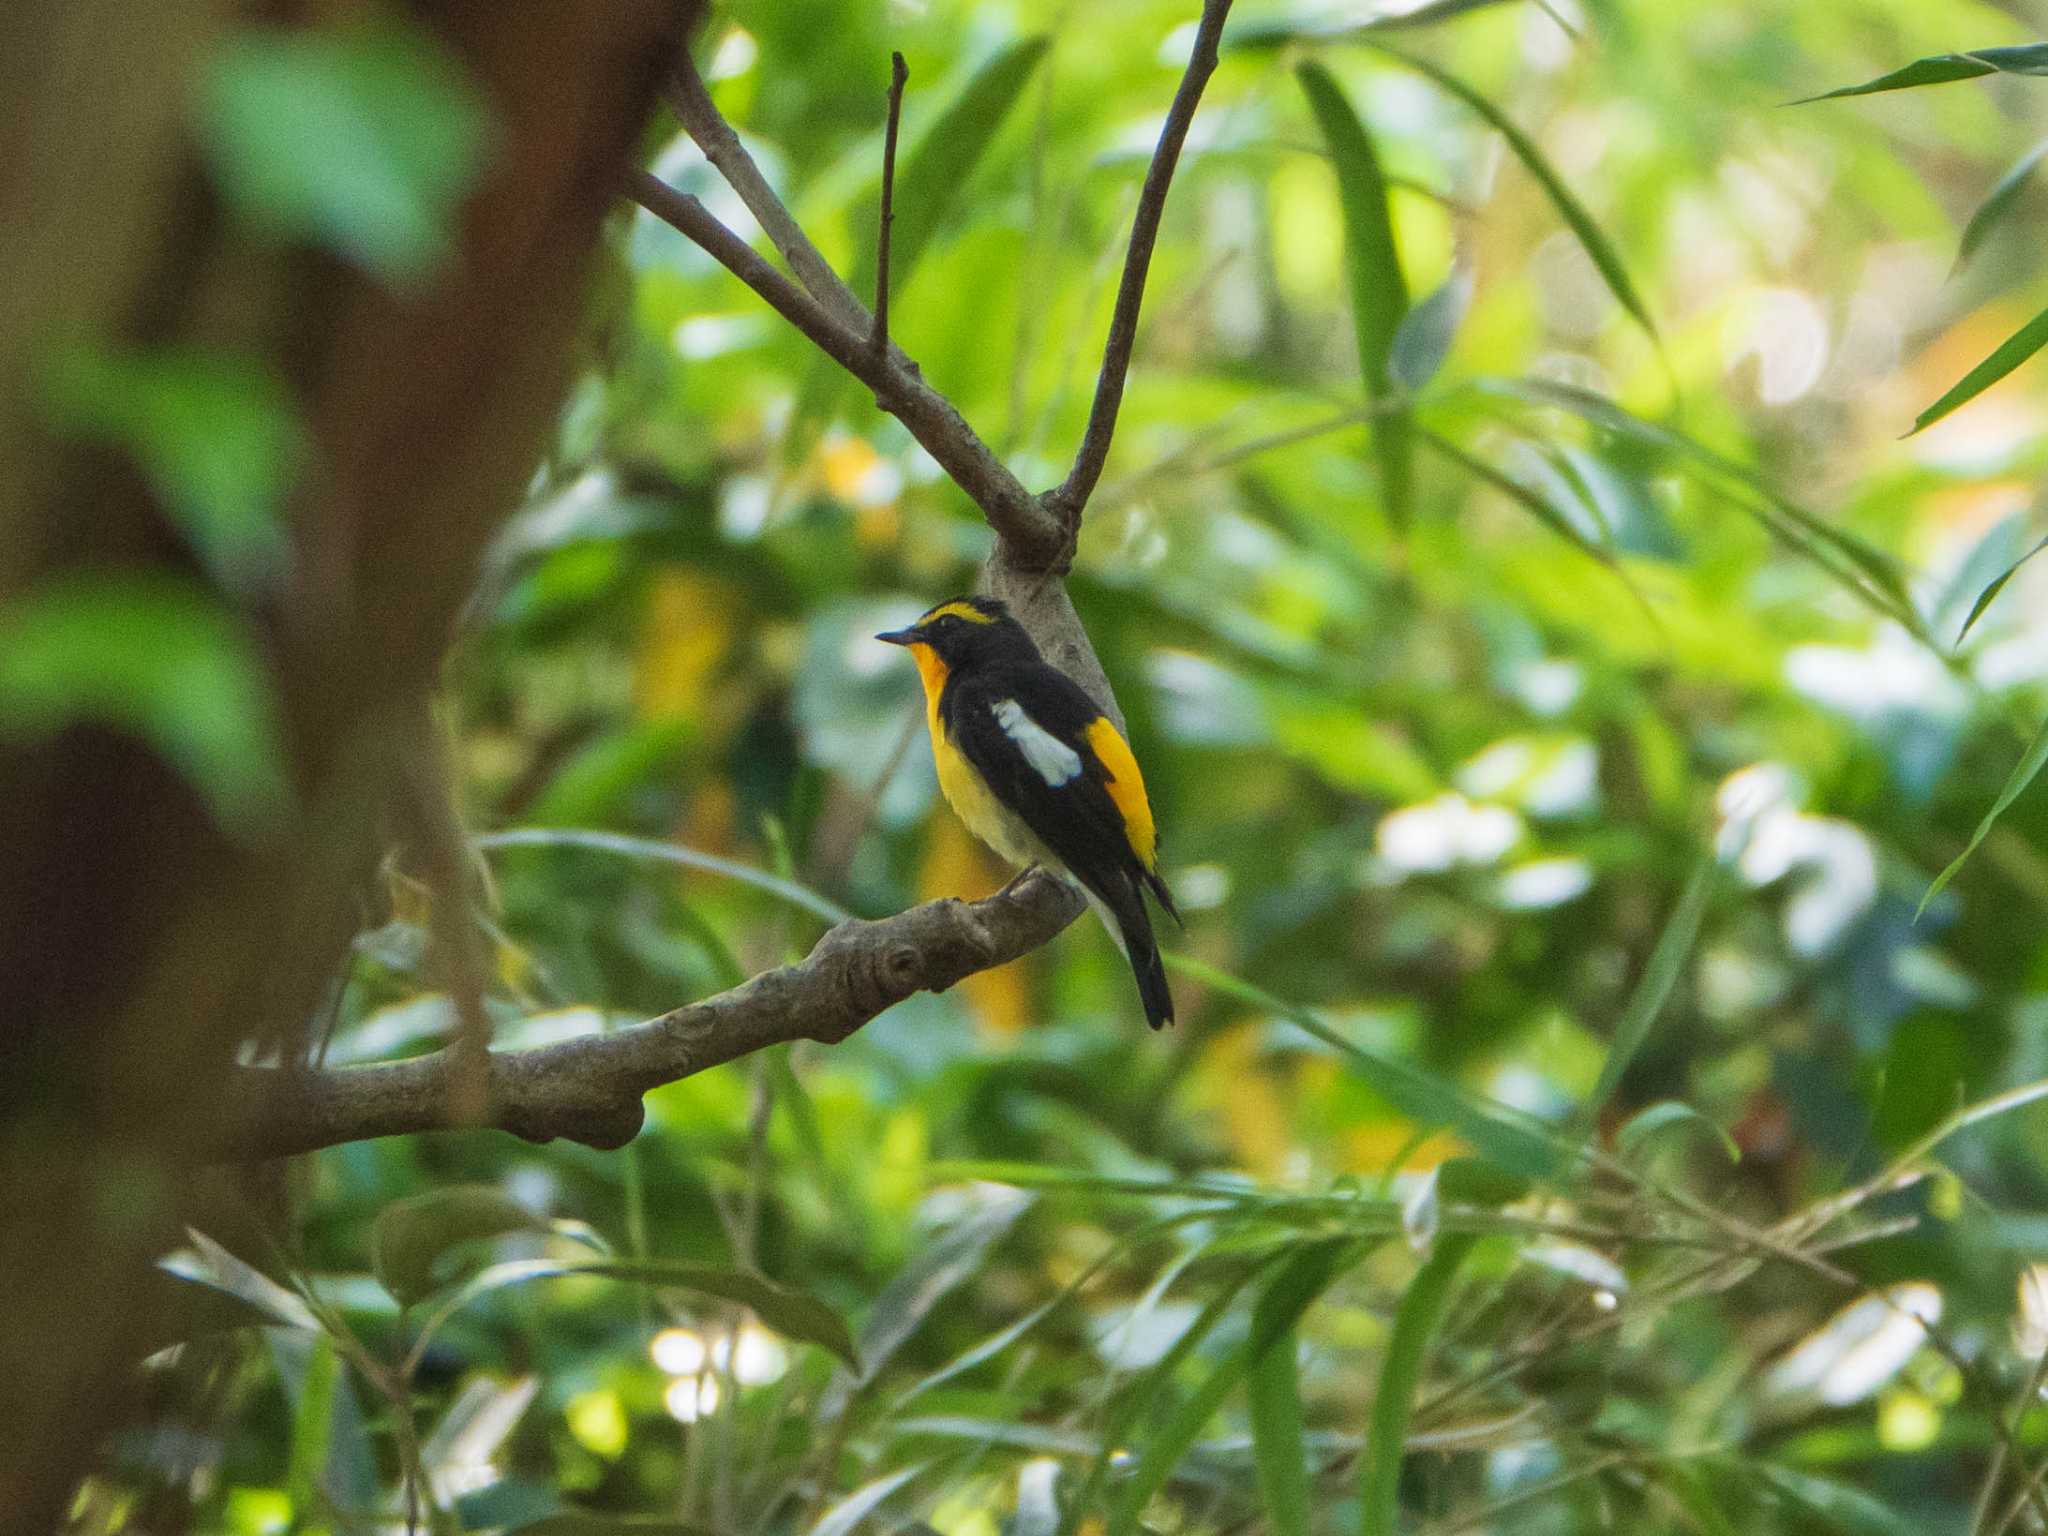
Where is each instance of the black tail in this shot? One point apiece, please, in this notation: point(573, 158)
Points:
point(1133, 926)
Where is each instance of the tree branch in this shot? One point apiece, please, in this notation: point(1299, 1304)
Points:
point(706, 126)
point(1070, 498)
point(589, 1089)
point(898, 387)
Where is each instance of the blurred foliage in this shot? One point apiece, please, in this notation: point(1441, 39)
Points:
point(1556, 721)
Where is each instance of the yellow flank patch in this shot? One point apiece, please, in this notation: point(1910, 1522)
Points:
point(1126, 788)
point(958, 610)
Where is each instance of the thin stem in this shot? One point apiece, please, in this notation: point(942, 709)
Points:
point(1071, 497)
point(899, 73)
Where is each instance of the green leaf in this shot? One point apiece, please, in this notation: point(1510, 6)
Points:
point(1280, 31)
point(1990, 593)
point(1660, 974)
point(207, 1263)
point(158, 658)
point(1299, 1282)
point(569, 1522)
point(843, 1517)
point(1997, 203)
point(411, 1236)
point(2015, 786)
point(1533, 502)
point(1569, 208)
point(2010, 353)
point(1647, 1125)
point(365, 142)
point(1273, 1390)
point(1423, 339)
point(1862, 568)
point(1508, 1138)
point(312, 1425)
point(1415, 1324)
point(1942, 68)
point(216, 437)
point(595, 784)
point(792, 1313)
point(1379, 290)
point(667, 853)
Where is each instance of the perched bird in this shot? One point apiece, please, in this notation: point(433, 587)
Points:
point(1039, 773)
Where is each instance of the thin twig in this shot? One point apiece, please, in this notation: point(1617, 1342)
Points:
point(899, 73)
point(701, 119)
point(1071, 497)
point(899, 389)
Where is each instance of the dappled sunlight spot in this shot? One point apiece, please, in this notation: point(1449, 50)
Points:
point(690, 1398)
point(1573, 296)
point(598, 1421)
point(1540, 776)
point(856, 474)
point(735, 55)
point(1200, 887)
point(678, 1351)
point(1550, 686)
point(744, 505)
point(1587, 1265)
point(1858, 1350)
point(1445, 832)
point(2030, 1317)
point(1895, 673)
point(1997, 429)
point(1767, 837)
point(703, 337)
point(1781, 330)
point(1907, 1420)
point(1202, 703)
point(1543, 883)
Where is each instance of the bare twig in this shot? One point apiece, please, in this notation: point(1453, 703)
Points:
point(899, 73)
point(1071, 497)
point(588, 1089)
point(722, 147)
point(899, 389)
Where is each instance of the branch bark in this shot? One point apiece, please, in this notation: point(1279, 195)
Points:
point(589, 1089)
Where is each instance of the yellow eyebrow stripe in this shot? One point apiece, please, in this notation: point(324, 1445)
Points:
point(1126, 788)
point(958, 610)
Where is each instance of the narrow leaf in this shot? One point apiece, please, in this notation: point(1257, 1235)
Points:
point(2011, 352)
point(1569, 208)
point(1278, 1450)
point(1379, 291)
point(1423, 339)
point(410, 1237)
point(1514, 1141)
point(312, 1425)
point(2015, 786)
point(1997, 203)
point(1990, 593)
point(1647, 1125)
point(1942, 68)
point(1667, 959)
point(207, 1263)
point(1415, 1325)
point(843, 1517)
point(1300, 1281)
point(790, 1312)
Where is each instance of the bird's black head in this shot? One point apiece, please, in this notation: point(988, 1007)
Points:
point(963, 631)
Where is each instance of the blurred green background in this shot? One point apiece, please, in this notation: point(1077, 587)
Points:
point(1542, 643)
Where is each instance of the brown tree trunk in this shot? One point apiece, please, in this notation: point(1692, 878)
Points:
point(138, 943)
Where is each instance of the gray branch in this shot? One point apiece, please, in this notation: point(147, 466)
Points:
point(589, 1089)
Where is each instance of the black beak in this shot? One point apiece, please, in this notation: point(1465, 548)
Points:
point(899, 636)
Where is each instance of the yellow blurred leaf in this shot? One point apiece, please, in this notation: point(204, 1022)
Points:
point(686, 632)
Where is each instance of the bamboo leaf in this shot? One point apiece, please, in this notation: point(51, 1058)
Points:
point(1379, 290)
point(2015, 786)
point(1274, 1392)
point(1990, 593)
point(1942, 68)
point(1660, 975)
point(1647, 1125)
point(2011, 352)
point(791, 1312)
point(1300, 1281)
point(1415, 1325)
point(1513, 1141)
point(1423, 339)
point(1581, 223)
point(1997, 204)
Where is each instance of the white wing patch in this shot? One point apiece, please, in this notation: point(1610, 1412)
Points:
point(1055, 761)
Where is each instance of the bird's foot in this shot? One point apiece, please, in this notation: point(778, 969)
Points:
point(1016, 880)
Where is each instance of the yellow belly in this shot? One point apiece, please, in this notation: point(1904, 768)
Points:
point(976, 805)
